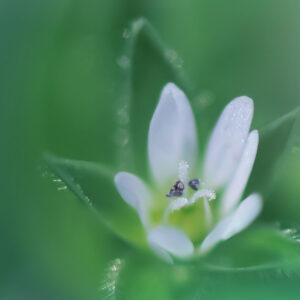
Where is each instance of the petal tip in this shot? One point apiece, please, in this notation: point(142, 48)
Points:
point(245, 214)
point(171, 240)
point(245, 103)
point(120, 176)
point(258, 199)
point(172, 88)
point(172, 127)
point(244, 100)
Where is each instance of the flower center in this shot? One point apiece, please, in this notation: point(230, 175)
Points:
point(180, 196)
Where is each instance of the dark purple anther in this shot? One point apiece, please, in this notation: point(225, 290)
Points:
point(174, 193)
point(194, 184)
point(177, 189)
point(178, 186)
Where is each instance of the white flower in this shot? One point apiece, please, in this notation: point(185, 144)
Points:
point(202, 207)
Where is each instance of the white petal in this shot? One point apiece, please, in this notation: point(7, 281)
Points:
point(227, 141)
point(172, 135)
point(171, 240)
point(244, 215)
point(241, 218)
point(215, 236)
point(135, 193)
point(164, 255)
point(237, 184)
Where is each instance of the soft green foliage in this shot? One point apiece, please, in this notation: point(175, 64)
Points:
point(276, 142)
point(150, 63)
point(256, 250)
point(247, 265)
point(94, 185)
point(66, 88)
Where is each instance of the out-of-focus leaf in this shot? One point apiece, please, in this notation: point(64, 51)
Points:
point(276, 141)
point(245, 264)
point(148, 65)
point(93, 184)
point(257, 249)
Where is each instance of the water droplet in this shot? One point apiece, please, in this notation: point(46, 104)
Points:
point(62, 188)
point(123, 62)
point(137, 25)
point(126, 33)
point(122, 137)
point(292, 233)
point(109, 284)
point(123, 115)
point(88, 201)
point(56, 180)
point(203, 100)
point(173, 58)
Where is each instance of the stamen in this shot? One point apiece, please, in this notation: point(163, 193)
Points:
point(204, 193)
point(178, 185)
point(176, 190)
point(194, 184)
point(174, 193)
point(207, 196)
point(183, 174)
point(175, 205)
point(208, 213)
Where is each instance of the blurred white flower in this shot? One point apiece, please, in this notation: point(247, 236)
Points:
point(178, 182)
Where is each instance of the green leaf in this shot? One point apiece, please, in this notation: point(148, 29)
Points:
point(94, 185)
point(256, 249)
point(148, 65)
point(260, 256)
point(276, 141)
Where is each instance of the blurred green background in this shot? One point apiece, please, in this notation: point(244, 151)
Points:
point(61, 79)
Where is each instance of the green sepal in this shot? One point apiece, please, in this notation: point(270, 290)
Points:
point(94, 185)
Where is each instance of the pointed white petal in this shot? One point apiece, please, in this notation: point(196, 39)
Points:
point(135, 193)
point(227, 141)
point(237, 184)
point(244, 215)
point(215, 236)
point(171, 240)
point(241, 218)
point(172, 135)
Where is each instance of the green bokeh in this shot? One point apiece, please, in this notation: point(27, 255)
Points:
point(60, 87)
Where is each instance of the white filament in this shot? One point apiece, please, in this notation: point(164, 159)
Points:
point(174, 205)
point(203, 193)
point(183, 168)
point(177, 204)
point(207, 196)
